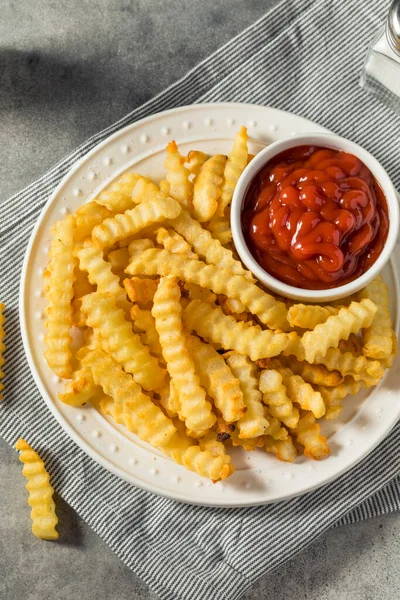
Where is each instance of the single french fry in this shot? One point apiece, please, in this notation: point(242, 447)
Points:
point(217, 379)
point(134, 220)
point(308, 316)
point(144, 324)
point(300, 391)
point(314, 374)
point(377, 338)
point(180, 187)
point(87, 217)
point(308, 434)
point(100, 274)
point(213, 325)
point(235, 165)
point(139, 414)
point(138, 246)
point(117, 196)
point(221, 281)
point(141, 291)
point(115, 336)
point(208, 186)
point(174, 242)
point(80, 389)
point(195, 160)
point(283, 449)
point(358, 315)
point(59, 292)
point(276, 398)
point(2, 347)
point(253, 423)
point(206, 247)
point(167, 312)
point(43, 513)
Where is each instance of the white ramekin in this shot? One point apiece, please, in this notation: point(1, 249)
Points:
point(328, 140)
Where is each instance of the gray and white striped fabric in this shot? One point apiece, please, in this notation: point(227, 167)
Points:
point(301, 57)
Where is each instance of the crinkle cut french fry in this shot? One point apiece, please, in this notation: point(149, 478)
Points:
point(80, 389)
point(144, 324)
point(138, 414)
point(174, 242)
point(100, 273)
point(217, 379)
point(88, 216)
point(213, 325)
point(43, 513)
point(221, 281)
point(308, 434)
point(115, 336)
point(210, 442)
point(117, 196)
point(275, 428)
point(276, 398)
point(208, 186)
point(167, 312)
point(196, 292)
point(253, 423)
point(134, 220)
point(358, 315)
point(195, 160)
point(168, 400)
point(59, 293)
point(231, 306)
point(141, 290)
point(308, 316)
point(235, 165)
point(333, 396)
point(300, 391)
point(283, 449)
point(2, 346)
point(146, 191)
point(377, 338)
point(206, 246)
point(138, 246)
point(180, 187)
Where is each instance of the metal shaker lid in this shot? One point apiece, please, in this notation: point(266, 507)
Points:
point(393, 25)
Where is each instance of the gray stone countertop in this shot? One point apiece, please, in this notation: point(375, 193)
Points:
point(67, 70)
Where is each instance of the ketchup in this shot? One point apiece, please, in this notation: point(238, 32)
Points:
point(315, 218)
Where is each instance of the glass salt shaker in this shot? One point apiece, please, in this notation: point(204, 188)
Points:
point(381, 72)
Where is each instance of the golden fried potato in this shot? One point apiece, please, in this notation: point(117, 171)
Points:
point(59, 292)
point(358, 315)
point(276, 398)
point(208, 187)
point(115, 335)
point(217, 379)
point(220, 229)
point(308, 316)
point(81, 287)
point(174, 242)
point(141, 290)
point(144, 324)
point(308, 434)
point(87, 217)
point(253, 423)
point(180, 187)
point(133, 221)
point(138, 246)
point(119, 260)
point(213, 325)
point(43, 513)
point(300, 391)
point(333, 396)
point(283, 449)
point(195, 410)
point(117, 196)
point(235, 165)
point(377, 338)
point(195, 160)
point(80, 389)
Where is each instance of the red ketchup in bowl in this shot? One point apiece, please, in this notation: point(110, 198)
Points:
point(315, 218)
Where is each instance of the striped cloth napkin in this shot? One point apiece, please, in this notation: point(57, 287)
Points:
point(301, 57)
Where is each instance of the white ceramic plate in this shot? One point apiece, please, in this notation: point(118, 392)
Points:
point(259, 477)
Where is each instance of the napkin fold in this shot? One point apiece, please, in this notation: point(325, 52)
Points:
point(303, 57)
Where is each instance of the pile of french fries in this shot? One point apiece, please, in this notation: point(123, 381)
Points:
point(182, 345)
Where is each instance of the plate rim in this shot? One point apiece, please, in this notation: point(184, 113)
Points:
point(61, 419)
